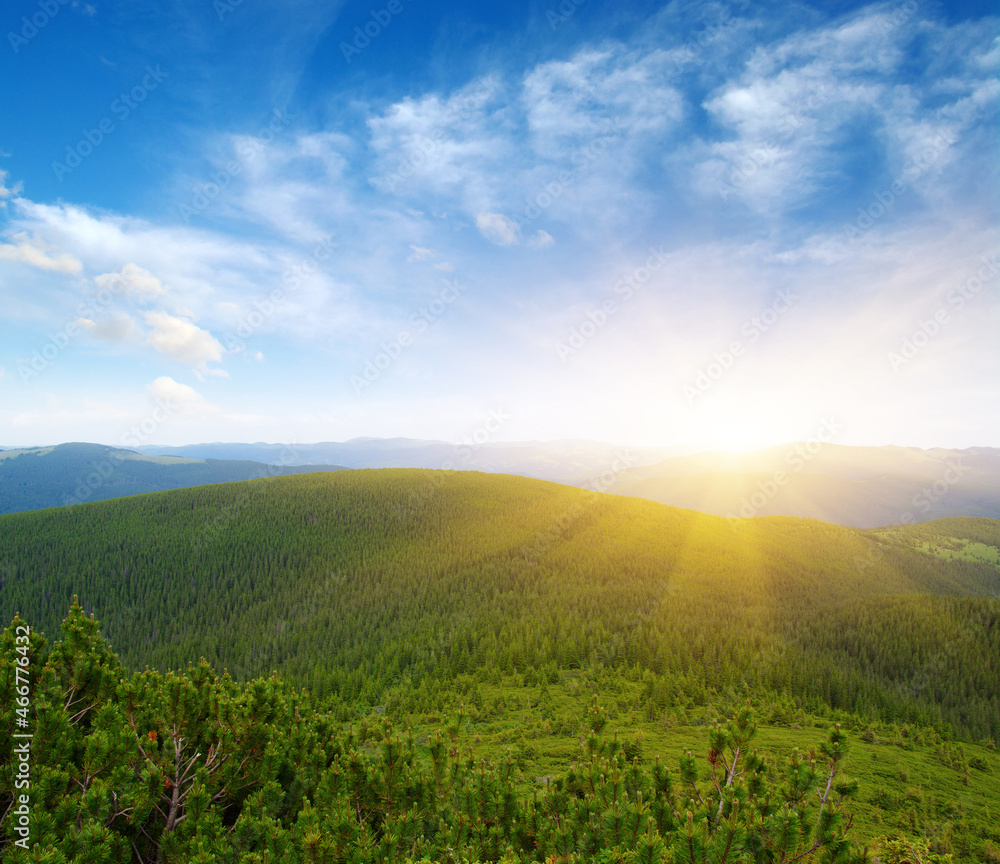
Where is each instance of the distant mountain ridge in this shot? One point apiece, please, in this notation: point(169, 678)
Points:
point(863, 487)
point(561, 461)
point(39, 477)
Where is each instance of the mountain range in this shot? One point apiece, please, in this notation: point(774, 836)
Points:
point(863, 487)
point(562, 461)
point(38, 477)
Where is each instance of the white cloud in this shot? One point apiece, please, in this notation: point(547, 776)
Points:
point(183, 341)
point(184, 403)
point(490, 145)
point(421, 254)
point(446, 146)
point(198, 265)
point(498, 229)
point(787, 116)
point(69, 415)
point(573, 101)
point(294, 184)
point(541, 239)
point(212, 373)
point(484, 151)
point(118, 328)
point(206, 273)
point(134, 281)
point(6, 192)
point(172, 392)
point(32, 252)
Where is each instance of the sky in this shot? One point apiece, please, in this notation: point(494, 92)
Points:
point(728, 224)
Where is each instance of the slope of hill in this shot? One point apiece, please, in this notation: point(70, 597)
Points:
point(546, 460)
point(193, 767)
point(33, 478)
point(355, 581)
point(864, 487)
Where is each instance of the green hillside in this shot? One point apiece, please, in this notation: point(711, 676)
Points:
point(175, 769)
point(353, 582)
point(556, 659)
point(35, 478)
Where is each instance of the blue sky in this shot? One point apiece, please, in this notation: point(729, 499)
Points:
point(719, 224)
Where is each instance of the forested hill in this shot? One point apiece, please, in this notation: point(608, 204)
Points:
point(34, 478)
point(354, 581)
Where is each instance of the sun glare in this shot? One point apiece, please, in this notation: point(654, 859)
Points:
point(742, 425)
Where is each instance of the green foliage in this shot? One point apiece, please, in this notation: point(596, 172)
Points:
point(484, 612)
point(193, 767)
point(905, 851)
point(352, 583)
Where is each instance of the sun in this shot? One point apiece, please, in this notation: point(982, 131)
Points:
point(740, 424)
